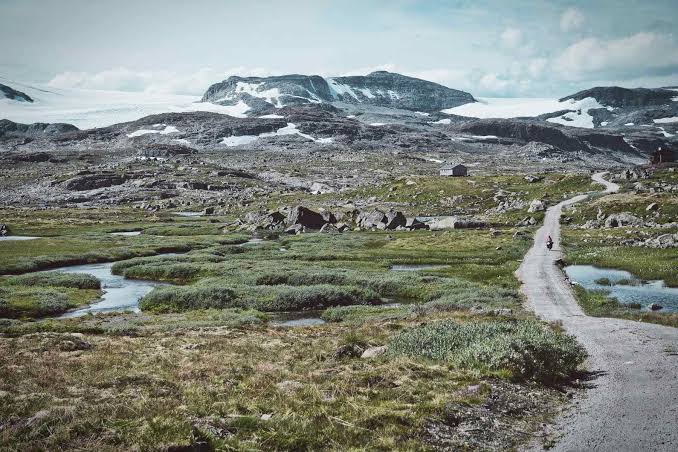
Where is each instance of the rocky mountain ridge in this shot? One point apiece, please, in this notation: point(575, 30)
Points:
point(381, 88)
point(10, 93)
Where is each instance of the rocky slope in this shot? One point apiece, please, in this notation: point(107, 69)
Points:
point(381, 88)
point(8, 92)
point(630, 108)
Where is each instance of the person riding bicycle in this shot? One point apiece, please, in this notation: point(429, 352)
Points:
point(549, 242)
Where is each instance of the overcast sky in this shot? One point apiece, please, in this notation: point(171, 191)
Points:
point(487, 47)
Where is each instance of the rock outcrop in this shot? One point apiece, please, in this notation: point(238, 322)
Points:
point(10, 93)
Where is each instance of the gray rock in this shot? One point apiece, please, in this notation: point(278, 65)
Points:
point(373, 352)
point(622, 219)
point(537, 205)
point(652, 206)
point(655, 307)
point(4, 230)
point(305, 217)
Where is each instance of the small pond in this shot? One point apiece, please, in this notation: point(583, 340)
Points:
point(189, 214)
point(638, 291)
point(297, 319)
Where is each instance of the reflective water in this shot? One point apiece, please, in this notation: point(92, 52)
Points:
point(9, 238)
point(643, 292)
point(120, 294)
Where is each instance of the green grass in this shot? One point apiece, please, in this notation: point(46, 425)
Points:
point(527, 349)
point(18, 301)
point(55, 279)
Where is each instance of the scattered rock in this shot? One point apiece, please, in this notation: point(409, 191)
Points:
point(349, 351)
point(4, 230)
point(532, 179)
point(655, 307)
point(652, 206)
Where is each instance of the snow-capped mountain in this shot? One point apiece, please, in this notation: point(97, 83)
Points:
point(381, 88)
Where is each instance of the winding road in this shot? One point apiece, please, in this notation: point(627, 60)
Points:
point(633, 401)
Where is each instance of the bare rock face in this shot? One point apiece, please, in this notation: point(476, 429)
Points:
point(93, 181)
point(305, 217)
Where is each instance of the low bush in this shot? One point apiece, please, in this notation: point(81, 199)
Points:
point(528, 349)
point(263, 298)
point(37, 302)
point(177, 299)
point(56, 279)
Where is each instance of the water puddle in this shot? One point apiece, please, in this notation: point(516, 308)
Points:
point(297, 319)
point(189, 214)
point(9, 238)
point(127, 233)
point(632, 289)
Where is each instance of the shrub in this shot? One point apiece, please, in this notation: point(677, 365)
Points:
point(56, 279)
point(318, 297)
point(603, 281)
point(528, 349)
point(35, 302)
point(177, 299)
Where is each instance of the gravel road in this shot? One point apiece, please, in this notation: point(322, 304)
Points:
point(633, 401)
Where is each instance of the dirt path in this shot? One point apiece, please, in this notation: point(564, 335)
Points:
point(633, 402)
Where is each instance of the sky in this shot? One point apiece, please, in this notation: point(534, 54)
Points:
point(491, 48)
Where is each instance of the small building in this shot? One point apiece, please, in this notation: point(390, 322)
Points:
point(663, 155)
point(454, 170)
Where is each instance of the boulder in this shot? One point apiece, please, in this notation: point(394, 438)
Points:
point(305, 217)
point(655, 307)
point(294, 229)
point(527, 221)
point(328, 216)
point(537, 205)
point(622, 219)
point(4, 230)
point(532, 179)
point(329, 228)
point(455, 223)
point(373, 352)
point(413, 224)
point(371, 219)
point(394, 220)
point(652, 206)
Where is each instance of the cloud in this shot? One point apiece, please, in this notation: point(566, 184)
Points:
point(643, 53)
point(572, 19)
point(512, 37)
point(123, 79)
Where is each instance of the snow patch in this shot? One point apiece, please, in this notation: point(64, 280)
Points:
point(529, 107)
point(377, 124)
point(666, 120)
point(271, 116)
point(289, 129)
point(341, 89)
point(604, 123)
point(367, 93)
point(181, 140)
point(167, 130)
point(665, 133)
point(629, 124)
point(421, 113)
point(446, 121)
